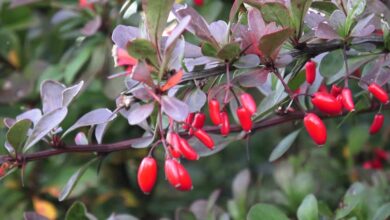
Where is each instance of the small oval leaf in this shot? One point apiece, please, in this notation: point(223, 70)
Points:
point(283, 146)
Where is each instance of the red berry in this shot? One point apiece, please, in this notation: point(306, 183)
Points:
point(188, 121)
point(225, 126)
point(245, 119)
point(199, 120)
point(172, 172)
point(85, 4)
point(316, 128)
point(381, 154)
point(379, 93)
point(323, 88)
point(248, 102)
point(204, 138)
point(347, 99)
point(173, 139)
point(214, 112)
point(377, 164)
point(198, 2)
point(335, 90)
point(325, 102)
point(187, 151)
point(147, 174)
point(184, 177)
point(310, 71)
point(377, 123)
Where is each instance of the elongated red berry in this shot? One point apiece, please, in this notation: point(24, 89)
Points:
point(335, 90)
point(248, 102)
point(184, 177)
point(325, 102)
point(147, 174)
point(172, 172)
point(381, 154)
point(187, 151)
point(204, 138)
point(225, 125)
point(310, 71)
point(245, 118)
point(214, 110)
point(199, 120)
point(348, 99)
point(378, 92)
point(188, 121)
point(173, 139)
point(377, 123)
point(316, 128)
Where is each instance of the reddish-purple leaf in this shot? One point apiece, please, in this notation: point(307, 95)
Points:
point(51, 95)
point(253, 78)
point(70, 93)
point(81, 139)
point(179, 29)
point(122, 35)
point(139, 113)
point(141, 73)
point(92, 26)
point(33, 115)
point(174, 108)
point(325, 31)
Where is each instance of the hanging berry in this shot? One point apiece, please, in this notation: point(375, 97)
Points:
point(204, 138)
point(187, 151)
point(335, 90)
point(172, 172)
point(214, 112)
point(316, 128)
point(248, 102)
point(188, 121)
point(198, 2)
point(147, 174)
point(378, 92)
point(225, 125)
point(245, 118)
point(310, 71)
point(326, 103)
point(184, 177)
point(347, 99)
point(173, 139)
point(377, 123)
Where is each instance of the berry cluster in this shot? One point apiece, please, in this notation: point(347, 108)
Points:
point(334, 102)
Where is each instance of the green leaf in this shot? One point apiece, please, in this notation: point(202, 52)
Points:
point(156, 15)
point(299, 9)
point(357, 138)
point(263, 211)
point(324, 6)
point(184, 214)
point(269, 43)
point(77, 211)
point(229, 51)
point(276, 12)
point(283, 146)
point(383, 212)
point(308, 210)
point(354, 9)
point(209, 50)
point(332, 63)
point(67, 190)
point(143, 49)
point(17, 134)
point(386, 33)
point(297, 81)
point(74, 66)
point(353, 197)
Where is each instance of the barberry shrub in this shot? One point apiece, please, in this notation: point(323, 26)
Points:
point(194, 87)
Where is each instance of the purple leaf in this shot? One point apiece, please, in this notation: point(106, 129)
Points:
point(81, 139)
point(325, 31)
point(198, 24)
point(100, 130)
point(141, 93)
point(51, 95)
point(240, 184)
point(234, 9)
point(174, 108)
point(70, 93)
point(196, 100)
point(145, 141)
point(179, 29)
point(270, 43)
point(33, 115)
point(139, 113)
point(123, 34)
point(313, 19)
point(337, 19)
point(363, 27)
point(141, 73)
point(47, 123)
point(63, 15)
point(220, 31)
point(92, 26)
point(247, 61)
point(8, 122)
point(94, 117)
point(255, 22)
point(253, 78)
point(34, 216)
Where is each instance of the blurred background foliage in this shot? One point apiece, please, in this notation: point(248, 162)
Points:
point(61, 40)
